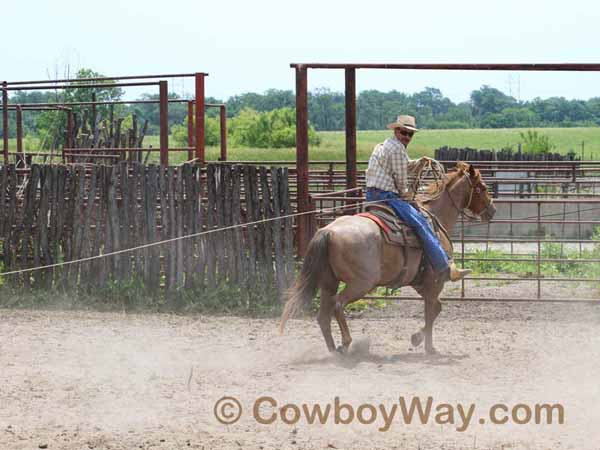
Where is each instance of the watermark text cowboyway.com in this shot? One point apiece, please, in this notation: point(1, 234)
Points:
point(267, 410)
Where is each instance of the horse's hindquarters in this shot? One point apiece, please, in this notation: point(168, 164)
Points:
point(358, 251)
point(355, 249)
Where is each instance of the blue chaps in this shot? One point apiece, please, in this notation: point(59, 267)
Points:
point(414, 219)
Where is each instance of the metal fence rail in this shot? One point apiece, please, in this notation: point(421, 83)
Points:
point(196, 109)
point(528, 231)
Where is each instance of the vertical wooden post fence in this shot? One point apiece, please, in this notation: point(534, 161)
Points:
point(67, 213)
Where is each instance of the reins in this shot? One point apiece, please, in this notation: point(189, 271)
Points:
point(464, 211)
point(446, 186)
point(468, 202)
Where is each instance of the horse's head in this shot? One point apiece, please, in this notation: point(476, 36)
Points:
point(478, 200)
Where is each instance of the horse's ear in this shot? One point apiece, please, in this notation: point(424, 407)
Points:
point(472, 171)
point(461, 166)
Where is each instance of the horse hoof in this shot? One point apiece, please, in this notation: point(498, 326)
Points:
point(342, 350)
point(416, 339)
point(431, 351)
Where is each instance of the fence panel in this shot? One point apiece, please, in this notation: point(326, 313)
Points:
point(70, 212)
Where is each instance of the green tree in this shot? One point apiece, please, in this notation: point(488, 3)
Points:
point(273, 129)
point(489, 100)
point(151, 111)
point(270, 100)
point(29, 117)
point(457, 116)
point(552, 111)
point(212, 132)
point(276, 99)
point(376, 109)
point(593, 106)
point(432, 101)
point(326, 109)
point(51, 125)
point(510, 118)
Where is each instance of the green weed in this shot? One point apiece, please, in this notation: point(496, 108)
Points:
point(133, 296)
point(525, 265)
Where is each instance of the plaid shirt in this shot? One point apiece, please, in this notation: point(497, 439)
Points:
point(390, 168)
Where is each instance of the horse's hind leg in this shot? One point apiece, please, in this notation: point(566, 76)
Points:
point(349, 294)
point(324, 318)
point(432, 310)
point(328, 291)
point(341, 320)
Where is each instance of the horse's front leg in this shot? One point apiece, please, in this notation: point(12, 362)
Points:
point(432, 310)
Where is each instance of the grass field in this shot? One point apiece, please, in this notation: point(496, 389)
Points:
point(425, 142)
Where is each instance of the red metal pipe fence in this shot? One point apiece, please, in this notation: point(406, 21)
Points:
point(5, 121)
point(302, 157)
point(110, 82)
point(527, 249)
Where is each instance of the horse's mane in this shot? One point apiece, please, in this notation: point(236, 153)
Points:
point(435, 189)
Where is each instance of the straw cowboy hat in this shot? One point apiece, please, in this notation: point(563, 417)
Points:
point(407, 122)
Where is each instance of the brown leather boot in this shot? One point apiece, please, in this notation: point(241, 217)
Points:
point(455, 274)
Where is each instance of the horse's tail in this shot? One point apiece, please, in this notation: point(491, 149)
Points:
point(316, 263)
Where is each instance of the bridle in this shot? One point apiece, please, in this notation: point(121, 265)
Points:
point(470, 192)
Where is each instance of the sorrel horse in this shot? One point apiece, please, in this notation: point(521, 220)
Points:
point(352, 249)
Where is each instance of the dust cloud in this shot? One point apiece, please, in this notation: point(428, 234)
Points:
point(73, 380)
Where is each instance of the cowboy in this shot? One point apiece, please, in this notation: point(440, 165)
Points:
point(387, 179)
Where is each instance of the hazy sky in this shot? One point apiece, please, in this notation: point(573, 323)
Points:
point(247, 46)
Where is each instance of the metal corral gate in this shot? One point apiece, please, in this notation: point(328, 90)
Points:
point(534, 232)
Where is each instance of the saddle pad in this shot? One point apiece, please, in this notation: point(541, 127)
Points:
point(396, 234)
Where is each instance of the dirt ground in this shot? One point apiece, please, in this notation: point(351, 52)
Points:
point(89, 380)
